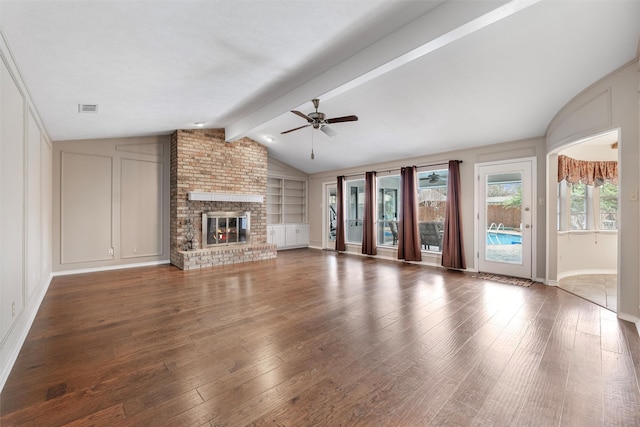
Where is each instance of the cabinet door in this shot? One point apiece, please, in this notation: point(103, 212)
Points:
point(270, 237)
point(291, 234)
point(297, 234)
point(276, 235)
point(303, 234)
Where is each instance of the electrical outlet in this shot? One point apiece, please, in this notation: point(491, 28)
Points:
point(134, 250)
point(111, 251)
point(634, 196)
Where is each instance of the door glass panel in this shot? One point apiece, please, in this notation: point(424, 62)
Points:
point(503, 213)
point(388, 203)
point(333, 204)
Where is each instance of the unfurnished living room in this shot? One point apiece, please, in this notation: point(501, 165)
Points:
point(332, 213)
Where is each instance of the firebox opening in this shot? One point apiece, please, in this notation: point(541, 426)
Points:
point(225, 228)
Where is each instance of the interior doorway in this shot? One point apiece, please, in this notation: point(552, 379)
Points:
point(586, 225)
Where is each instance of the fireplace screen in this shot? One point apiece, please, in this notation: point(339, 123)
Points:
point(225, 228)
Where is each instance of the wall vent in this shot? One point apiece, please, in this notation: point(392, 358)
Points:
point(87, 108)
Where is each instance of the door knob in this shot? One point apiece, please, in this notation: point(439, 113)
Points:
point(527, 226)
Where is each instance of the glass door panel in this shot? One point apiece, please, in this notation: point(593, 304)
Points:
point(505, 218)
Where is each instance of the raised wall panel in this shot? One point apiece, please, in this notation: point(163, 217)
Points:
point(46, 187)
point(141, 210)
point(11, 201)
point(34, 211)
point(86, 207)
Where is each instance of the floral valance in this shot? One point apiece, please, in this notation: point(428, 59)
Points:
point(590, 173)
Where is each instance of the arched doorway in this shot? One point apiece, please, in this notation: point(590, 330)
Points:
point(584, 245)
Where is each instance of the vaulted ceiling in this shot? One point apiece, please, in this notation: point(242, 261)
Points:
point(422, 76)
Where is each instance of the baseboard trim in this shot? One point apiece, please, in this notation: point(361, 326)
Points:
point(110, 267)
point(581, 272)
point(13, 356)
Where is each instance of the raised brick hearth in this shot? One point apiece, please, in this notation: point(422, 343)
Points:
point(201, 160)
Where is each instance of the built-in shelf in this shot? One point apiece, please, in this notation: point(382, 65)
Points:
point(225, 197)
point(286, 200)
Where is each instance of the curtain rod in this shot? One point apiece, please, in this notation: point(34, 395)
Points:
point(398, 169)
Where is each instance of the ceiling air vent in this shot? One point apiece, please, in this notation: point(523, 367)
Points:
point(87, 108)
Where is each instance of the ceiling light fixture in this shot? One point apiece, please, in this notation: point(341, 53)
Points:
point(199, 124)
point(269, 139)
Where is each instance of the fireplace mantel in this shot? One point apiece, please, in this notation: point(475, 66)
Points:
point(225, 197)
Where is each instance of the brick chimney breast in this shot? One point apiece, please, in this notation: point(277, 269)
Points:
point(201, 160)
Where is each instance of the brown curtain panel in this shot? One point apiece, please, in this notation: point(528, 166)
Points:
point(408, 236)
point(369, 221)
point(590, 173)
point(340, 241)
point(452, 242)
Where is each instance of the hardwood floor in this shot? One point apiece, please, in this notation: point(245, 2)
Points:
point(317, 338)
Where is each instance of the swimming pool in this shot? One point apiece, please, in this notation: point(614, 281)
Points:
point(494, 238)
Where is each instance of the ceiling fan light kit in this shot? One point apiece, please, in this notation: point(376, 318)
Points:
point(318, 120)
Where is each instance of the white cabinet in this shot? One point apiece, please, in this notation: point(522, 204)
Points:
point(288, 236)
point(276, 235)
point(287, 212)
point(297, 235)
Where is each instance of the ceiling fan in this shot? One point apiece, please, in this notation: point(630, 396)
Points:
point(318, 121)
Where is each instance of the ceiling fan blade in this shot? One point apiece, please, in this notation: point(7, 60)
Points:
point(304, 116)
point(291, 130)
point(328, 131)
point(342, 119)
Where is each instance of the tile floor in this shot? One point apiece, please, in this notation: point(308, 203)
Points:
point(598, 288)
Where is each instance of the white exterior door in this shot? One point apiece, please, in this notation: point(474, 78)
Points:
point(505, 217)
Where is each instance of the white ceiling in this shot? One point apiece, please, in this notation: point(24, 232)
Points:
point(422, 76)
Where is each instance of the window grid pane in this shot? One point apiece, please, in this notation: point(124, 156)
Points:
point(578, 218)
point(388, 209)
point(432, 198)
point(608, 207)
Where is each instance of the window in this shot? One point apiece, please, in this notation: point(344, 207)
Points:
point(578, 216)
point(608, 206)
point(432, 198)
point(355, 210)
point(583, 207)
point(388, 204)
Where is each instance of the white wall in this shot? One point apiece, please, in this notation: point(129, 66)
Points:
point(509, 150)
point(610, 104)
point(110, 203)
point(25, 212)
point(279, 169)
point(587, 252)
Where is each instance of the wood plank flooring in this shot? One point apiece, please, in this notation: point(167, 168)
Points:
point(318, 338)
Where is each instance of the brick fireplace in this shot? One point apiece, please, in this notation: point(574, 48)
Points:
point(201, 161)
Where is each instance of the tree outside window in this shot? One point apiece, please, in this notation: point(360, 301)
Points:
point(578, 216)
point(608, 206)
